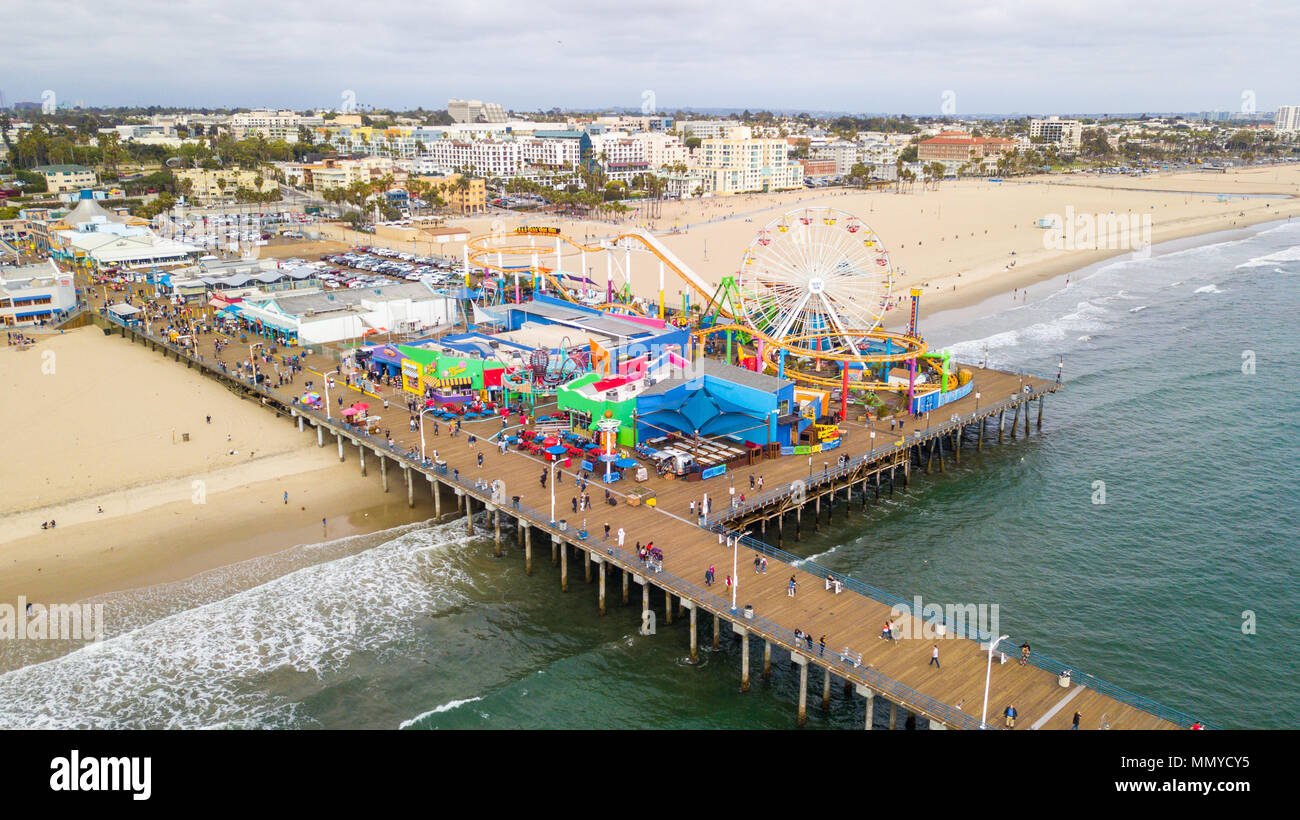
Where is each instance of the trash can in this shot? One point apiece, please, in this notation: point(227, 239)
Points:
point(749, 611)
point(185, 436)
point(563, 525)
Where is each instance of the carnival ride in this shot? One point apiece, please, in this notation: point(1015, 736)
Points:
point(810, 295)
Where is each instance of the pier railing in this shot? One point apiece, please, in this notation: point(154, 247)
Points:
point(963, 629)
point(833, 472)
point(878, 682)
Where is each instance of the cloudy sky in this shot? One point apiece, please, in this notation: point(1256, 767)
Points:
point(1001, 56)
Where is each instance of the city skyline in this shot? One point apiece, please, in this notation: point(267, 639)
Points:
point(945, 59)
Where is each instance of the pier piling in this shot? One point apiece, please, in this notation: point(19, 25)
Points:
point(601, 570)
point(528, 549)
point(383, 473)
point(826, 690)
point(564, 564)
point(767, 659)
point(695, 649)
point(744, 658)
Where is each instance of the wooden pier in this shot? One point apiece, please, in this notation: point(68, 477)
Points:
point(897, 675)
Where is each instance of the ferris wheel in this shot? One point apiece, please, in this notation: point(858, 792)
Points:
point(816, 278)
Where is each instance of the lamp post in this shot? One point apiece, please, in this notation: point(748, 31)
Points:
point(422, 412)
point(988, 674)
point(735, 567)
point(327, 390)
point(553, 460)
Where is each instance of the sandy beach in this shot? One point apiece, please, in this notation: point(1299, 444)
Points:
point(170, 508)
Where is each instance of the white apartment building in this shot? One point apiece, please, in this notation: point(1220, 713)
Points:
point(1068, 134)
point(1287, 118)
point(845, 155)
point(740, 163)
point(273, 125)
point(475, 111)
point(705, 129)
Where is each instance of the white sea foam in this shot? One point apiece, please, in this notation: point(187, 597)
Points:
point(1207, 289)
point(1291, 254)
point(446, 707)
point(221, 663)
point(1139, 308)
point(1085, 318)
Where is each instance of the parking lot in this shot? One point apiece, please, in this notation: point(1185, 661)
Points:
point(367, 267)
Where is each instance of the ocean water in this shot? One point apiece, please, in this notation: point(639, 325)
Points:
point(421, 628)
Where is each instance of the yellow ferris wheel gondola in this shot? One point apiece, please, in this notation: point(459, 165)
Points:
point(783, 225)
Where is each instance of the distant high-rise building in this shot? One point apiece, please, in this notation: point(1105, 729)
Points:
point(475, 111)
point(1066, 133)
point(1287, 118)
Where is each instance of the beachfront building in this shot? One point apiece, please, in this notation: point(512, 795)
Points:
point(31, 294)
point(469, 198)
point(318, 318)
point(956, 149)
point(1287, 118)
point(90, 235)
point(1066, 134)
point(739, 163)
point(60, 178)
point(842, 153)
point(271, 125)
point(336, 172)
point(468, 111)
point(211, 186)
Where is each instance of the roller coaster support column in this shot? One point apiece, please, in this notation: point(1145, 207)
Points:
point(557, 260)
point(627, 266)
point(729, 335)
point(465, 267)
point(780, 364)
point(661, 289)
point(538, 282)
point(609, 275)
point(582, 268)
point(844, 392)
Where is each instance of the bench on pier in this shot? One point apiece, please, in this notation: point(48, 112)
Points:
point(849, 656)
point(834, 583)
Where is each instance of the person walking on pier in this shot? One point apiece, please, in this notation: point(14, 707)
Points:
point(934, 656)
point(1024, 653)
point(751, 481)
point(709, 575)
point(575, 503)
point(1010, 714)
point(620, 536)
point(821, 652)
point(543, 479)
point(756, 563)
point(607, 531)
point(480, 463)
point(793, 585)
point(1074, 725)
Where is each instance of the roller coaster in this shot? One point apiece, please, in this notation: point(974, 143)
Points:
point(812, 288)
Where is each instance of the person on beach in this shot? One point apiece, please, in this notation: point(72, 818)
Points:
point(286, 498)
